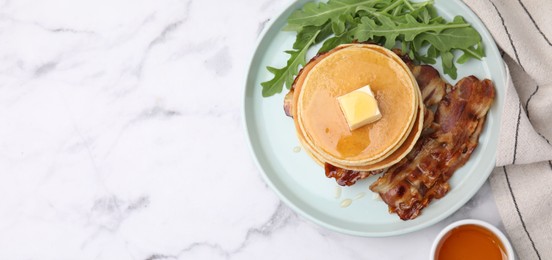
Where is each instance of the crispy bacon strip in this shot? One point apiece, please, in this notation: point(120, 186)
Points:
point(410, 185)
point(288, 103)
point(346, 177)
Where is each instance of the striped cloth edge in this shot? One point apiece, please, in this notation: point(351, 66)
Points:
point(522, 181)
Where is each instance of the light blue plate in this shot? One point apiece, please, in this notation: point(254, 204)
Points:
point(301, 183)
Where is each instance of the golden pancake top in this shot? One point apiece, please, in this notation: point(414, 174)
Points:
point(352, 67)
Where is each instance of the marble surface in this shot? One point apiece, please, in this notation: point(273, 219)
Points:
point(121, 138)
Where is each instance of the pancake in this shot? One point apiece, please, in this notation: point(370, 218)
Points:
point(322, 128)
point(412, 137)
point(395, 157)
point(398, 154)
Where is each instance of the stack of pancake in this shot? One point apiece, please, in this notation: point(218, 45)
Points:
point(321, 126)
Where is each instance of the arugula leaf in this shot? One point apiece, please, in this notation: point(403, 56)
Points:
point(423, 15)
point(304, 36)
point(429, 57)
point(338, 27)
point(453, 38)
point(423, 34)
point(325, 31)
point(472, 52)
point(335, 41)
point(397, 11)
point(319, 13)
point(404, 47)
point(459, 38)
point(363, 11)
point(449, 68)
point(368, 28)
point(285, 75)
point(432, 52)
point(342, 34)
point(392, 6)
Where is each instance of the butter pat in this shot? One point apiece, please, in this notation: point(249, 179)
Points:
point(359, 107)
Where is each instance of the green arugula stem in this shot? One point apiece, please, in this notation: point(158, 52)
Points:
point(421, 4)
point(408, 5)
point(373, 13)
point(474, 54)
point(392, 6)
point(417, 28)
point(397, 11)
point(286, 74)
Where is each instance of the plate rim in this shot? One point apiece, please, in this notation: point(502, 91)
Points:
point(487, 168)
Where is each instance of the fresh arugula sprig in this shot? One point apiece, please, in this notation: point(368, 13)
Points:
point(317, 14)
point(308, 36)
point(422, 34)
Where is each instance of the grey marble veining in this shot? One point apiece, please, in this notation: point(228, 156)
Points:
point(121, 138)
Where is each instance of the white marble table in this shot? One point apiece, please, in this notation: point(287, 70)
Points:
point(121, 138)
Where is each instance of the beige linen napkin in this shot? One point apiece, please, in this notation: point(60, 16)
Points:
point(522, 181)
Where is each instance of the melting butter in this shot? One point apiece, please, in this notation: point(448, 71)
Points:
point(359, 107)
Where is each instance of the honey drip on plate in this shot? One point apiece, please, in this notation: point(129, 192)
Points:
point(346, 203)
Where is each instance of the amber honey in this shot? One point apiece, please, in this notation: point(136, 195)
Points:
point(470, 242)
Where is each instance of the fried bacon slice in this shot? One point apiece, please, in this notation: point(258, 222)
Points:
point(346, 177)
point(288, 102)
point(410, 185)
point(449, 137)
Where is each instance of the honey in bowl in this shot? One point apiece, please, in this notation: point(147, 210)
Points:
point(472, 242)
